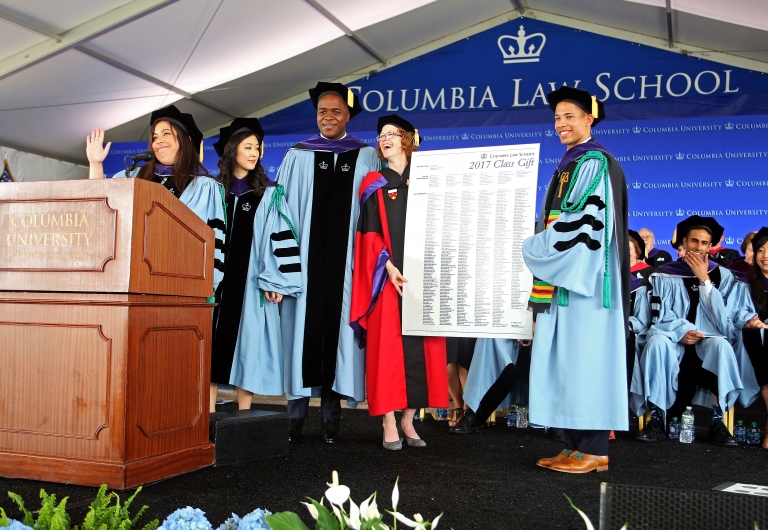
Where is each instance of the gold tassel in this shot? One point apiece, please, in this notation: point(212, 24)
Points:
point(416, 139)
point(201, 151)
point(350, 98)
point(261, 149)
point(594, 107)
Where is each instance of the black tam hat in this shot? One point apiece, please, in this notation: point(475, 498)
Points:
point(640, 243)
point(580, 98)
point(181, 119)
point(349, 97)
point(400, 123)
point(240, 125)
point(760, 239)
point(697, 222)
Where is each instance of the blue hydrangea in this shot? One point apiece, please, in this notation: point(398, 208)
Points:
point(16, 525)
point(255, 520)
point(186, 519)
point(233, 523)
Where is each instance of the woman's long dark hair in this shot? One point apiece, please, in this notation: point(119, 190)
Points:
point(757, 282)
point(256, 178)
point(187, 164)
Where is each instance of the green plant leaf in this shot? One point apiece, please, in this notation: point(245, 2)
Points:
point(285, 521)
point(326, 520)
point(28, 519)
point(4, 521)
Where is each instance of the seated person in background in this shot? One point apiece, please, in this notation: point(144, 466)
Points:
point(723, 255)
point(497, 378)
point(655, 256)
point(743, 266)
point(637, 267)
point(459, 351)
point(687, 358)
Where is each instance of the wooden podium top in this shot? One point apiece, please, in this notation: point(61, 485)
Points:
point(102, 236)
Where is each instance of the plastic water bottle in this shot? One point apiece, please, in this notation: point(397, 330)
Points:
point(687, 430)
point(512, 416)
point(419, 416)
point(674, 429)
point(522, 418)
point(442, 414)
point(740, 432)
point(753, 434)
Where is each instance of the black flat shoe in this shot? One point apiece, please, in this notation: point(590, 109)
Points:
point(722, 435)
point(332, 431)
point(294, 435)
point(652, 432)
point(469, 424)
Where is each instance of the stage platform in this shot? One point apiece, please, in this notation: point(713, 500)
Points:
point(484, 480)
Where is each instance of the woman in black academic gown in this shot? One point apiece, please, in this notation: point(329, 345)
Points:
point(402, 372)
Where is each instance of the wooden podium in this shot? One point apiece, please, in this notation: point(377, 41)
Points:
point(105, 333)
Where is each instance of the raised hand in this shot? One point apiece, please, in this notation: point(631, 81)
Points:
point(95, 149)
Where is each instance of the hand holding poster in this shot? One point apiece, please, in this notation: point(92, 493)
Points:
point(469, 211)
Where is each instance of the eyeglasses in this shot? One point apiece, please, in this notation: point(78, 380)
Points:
point(387, 136)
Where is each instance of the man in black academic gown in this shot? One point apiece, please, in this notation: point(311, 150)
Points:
point(655, 256)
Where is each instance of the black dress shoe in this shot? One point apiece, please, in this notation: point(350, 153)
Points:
point(558, 434)
point(294, 435)
point(469, 424)
point(331, 431)
point(652, 432)
point(722, 436)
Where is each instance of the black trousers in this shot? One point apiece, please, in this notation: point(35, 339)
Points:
point(330, 405)
point(588, 442)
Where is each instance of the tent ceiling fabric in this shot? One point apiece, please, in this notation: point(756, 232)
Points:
point(251, 57)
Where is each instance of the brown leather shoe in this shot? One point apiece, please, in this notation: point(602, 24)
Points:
point(579, 462)
point(548, 462)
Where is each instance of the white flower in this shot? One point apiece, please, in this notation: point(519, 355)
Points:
point(334, 479)
point(418, 518)
point(312, 510)
point(354, 515)
point(337, 495)
point(368, 509)
point(395, 496)
point(435, 521)
point(419, 524)
point(337, 513)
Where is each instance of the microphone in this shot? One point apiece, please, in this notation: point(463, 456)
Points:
point(146, 156)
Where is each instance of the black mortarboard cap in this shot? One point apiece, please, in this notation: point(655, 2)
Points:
point(349, 97)
point(185, 121)
point(760, 239)
point(237, 125)
point(581, 98)
point(695, 221)
point(400, 123)
point(634, 235)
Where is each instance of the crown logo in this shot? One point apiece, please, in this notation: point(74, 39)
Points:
point(728, 126)
point(323, 165)
point(636, 129)
point(680, 156)
point(729, 240)
point(636, 185)
point(548, 133)
point(729, 183)
point(520, 51)
point(247, 207)
point(465, 136)
point(271, 169)
point(680, 212)
point(484, 155)
point(345, 167)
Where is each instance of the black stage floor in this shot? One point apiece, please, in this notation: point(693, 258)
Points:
point(484, 480)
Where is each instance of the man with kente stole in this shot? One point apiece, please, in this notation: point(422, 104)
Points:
point(688, 358)
point(322, 177)
point(580, 261)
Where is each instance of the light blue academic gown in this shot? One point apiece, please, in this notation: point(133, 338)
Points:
point(205, 197)
point(490, 358)
point(741, 310)
point(639, 321)
point(296, 174)
point(660, 359)
point(258, 361)
point(578, 374)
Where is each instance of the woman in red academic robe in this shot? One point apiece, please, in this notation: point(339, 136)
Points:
point(402, 372)
point(637, 265)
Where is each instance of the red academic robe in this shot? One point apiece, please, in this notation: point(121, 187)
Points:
point(401, 371)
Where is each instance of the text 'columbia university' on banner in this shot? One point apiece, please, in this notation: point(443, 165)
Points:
point(469, 211)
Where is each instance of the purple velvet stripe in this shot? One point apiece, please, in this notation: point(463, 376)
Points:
point(681, 268)
point(575, 152)
point(240, 186)
point(380, 277)
point(371, 189)
point(161, 170)
point(653, 252)
point(634, 283)
point(318, 143)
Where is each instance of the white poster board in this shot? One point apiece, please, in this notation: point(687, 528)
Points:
point(469, 211)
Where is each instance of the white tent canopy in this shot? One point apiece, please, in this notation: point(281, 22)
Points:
point(67, 66)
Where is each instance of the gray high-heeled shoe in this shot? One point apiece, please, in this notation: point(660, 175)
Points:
point(414, 442)
point(392, 446)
